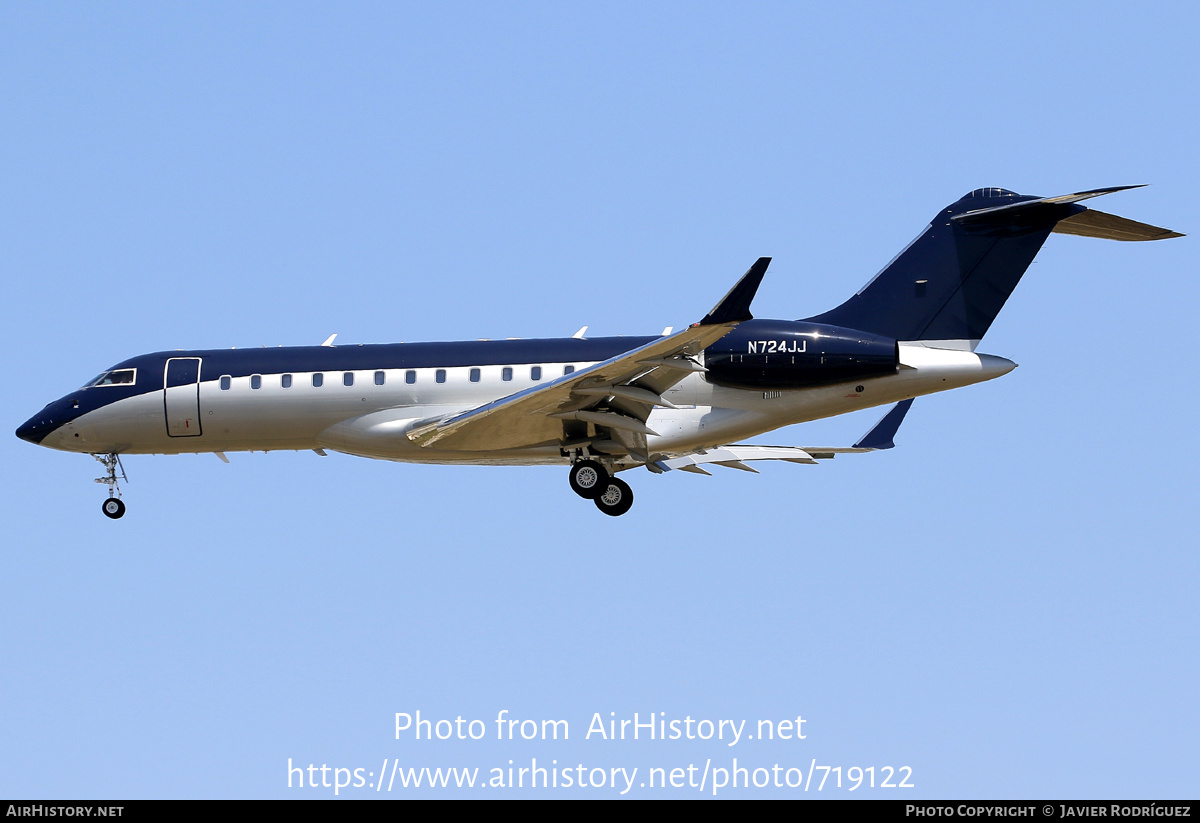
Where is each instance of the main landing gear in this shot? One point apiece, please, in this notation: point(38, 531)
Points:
point(616, 499)
point(113, 507)
point(588, 479)
point(591, 481)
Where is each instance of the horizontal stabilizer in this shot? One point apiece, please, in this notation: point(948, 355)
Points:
point(1033, 207)
point(1081, 221)
point(1092, 223)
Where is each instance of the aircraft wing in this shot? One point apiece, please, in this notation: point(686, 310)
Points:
point(736, 457)
point(616, 394)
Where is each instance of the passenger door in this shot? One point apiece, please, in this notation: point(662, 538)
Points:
point(181, 396)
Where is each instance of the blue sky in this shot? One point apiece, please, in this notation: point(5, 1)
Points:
point(1005, 603)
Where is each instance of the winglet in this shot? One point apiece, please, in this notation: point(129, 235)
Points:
point(735, 306)
point(881, 436)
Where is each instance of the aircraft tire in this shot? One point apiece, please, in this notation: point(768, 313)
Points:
point(616, 499)
point(113, 508)
point(588, 479)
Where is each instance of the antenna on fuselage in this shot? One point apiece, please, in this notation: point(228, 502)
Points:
point(329, 340)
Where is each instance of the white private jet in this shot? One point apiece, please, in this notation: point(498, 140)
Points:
point(678, 401)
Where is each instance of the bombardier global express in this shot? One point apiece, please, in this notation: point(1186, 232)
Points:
point(599, 406)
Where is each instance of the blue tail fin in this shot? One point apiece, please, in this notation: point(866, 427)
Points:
point(952, 281)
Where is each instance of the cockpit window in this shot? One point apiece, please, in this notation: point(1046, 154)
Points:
point(118, 377)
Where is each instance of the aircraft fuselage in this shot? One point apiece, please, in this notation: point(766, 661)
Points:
point(362, 399)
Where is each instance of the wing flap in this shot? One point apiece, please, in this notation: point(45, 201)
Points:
point(736, 457)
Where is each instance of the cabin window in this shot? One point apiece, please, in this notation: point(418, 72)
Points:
point(474, 375)
point(440, 376)
point(568, 369)
point(226, 382)
point(507, 373)
point(256, 381)
point(379, 378)
point(410, 377)
point(318, 379)
point(286, 381)
point(535, 373)
point(348, 378)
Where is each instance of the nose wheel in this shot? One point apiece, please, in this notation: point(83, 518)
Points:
point(113, 507)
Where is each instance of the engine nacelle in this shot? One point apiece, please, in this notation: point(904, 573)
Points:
point(793, 354)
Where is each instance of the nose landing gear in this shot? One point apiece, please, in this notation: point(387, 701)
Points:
point(113, 507)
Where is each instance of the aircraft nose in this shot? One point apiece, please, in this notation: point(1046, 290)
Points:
point(35, 429)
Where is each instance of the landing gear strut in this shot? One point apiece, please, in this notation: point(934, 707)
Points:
point(113, 507)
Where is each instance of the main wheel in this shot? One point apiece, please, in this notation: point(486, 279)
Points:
point(113, 507)
point(588, 479)
point(616, 499)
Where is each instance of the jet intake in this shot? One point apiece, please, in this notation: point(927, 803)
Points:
point(782, 354)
